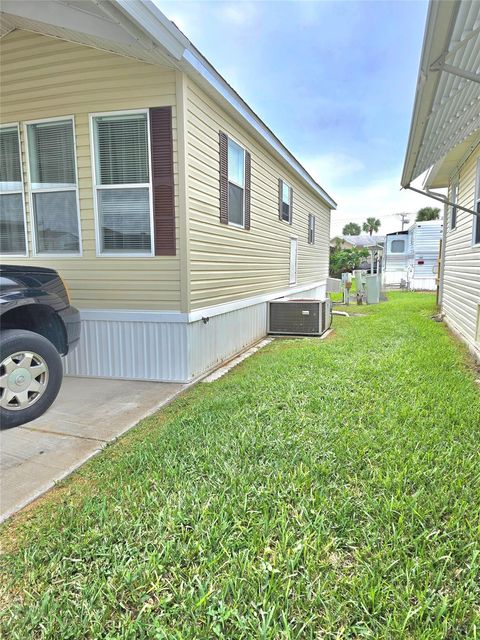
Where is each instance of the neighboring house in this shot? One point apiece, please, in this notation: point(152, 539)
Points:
point(169, 208)
point(445, 137)
point(341, 242)
point(412, 256)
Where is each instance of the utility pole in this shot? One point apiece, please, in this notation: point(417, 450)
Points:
point(404, 217)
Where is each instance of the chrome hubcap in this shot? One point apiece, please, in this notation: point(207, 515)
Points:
point(23, 380)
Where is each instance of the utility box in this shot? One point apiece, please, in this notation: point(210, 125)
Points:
point(299, 317)
point(372, 288)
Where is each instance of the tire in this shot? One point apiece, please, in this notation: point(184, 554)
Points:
point(31, 374)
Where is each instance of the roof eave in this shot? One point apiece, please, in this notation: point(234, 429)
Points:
point(439, 25)
point(149, 18)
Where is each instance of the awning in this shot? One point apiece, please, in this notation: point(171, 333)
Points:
point(446, 113)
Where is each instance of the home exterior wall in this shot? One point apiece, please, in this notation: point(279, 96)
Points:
point(44, 77)
point(461, 278)
point(144, 318)
point(228, 263)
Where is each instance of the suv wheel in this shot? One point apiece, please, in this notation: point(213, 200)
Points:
point(30, 376)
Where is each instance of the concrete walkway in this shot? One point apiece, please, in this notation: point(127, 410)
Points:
point(87, 414)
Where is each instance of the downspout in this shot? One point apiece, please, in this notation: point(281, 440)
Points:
point(442, 255)
point(443, 199)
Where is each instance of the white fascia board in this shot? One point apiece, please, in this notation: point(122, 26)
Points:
point(127, 315)
point(148, 17)
point(438, 31)
point(196, 64)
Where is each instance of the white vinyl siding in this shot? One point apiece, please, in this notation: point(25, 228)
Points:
point(476, 207)
point(53, 186)
point(461, 278)
point(12, 212)
point(293, 260)
point(236, 184)
point(122, 184)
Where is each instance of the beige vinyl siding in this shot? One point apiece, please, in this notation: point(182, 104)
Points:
point(461, 289)
point(228, 263)
point(44, 77)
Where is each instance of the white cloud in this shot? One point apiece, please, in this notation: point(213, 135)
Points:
point(239, 13)
point(331, 169)
point(382, 199)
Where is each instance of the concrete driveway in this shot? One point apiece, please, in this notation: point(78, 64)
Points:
point(87, 414)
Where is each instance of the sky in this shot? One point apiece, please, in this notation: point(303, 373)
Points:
point(335, 81)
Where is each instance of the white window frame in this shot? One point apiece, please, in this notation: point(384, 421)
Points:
point(290, 191)
point(242, 187)
point(293, 277)
point(96, 187)
point(476, 203)
point(454, 200)
point(16, 191)
point(31, 191)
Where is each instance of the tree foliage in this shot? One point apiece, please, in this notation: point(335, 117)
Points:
point(351, 229)
point(428, 213)
point(371, 225)
point(343, 260)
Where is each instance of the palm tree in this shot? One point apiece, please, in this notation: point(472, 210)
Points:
point(351, 229)
point(428, 213)
point(371, 225)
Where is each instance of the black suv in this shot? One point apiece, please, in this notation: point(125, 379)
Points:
point(38, 325)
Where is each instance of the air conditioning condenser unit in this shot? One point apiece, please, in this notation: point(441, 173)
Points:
point(299, 317)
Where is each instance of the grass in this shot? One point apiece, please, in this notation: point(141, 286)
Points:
point(321, 490)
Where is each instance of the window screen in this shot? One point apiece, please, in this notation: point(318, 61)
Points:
point(12, 220)
point(122, 183)
point(397, 246)
point(53, 182)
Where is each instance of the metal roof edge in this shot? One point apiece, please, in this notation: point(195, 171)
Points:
point(199, 65)
point(427, 81)
point(150, 19)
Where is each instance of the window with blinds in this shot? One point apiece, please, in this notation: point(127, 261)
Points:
point(122, 183)
point(53, 185)
point(12, 216)
point(236, 183)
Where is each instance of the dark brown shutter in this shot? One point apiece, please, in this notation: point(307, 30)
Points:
point(248, 172)
point(162, 180)
point(223, 141)
point(291, 206)
point(280, 195)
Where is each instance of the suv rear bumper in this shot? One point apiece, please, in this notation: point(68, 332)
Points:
point(72, 322)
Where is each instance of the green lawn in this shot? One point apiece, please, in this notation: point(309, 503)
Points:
point(321, 490)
